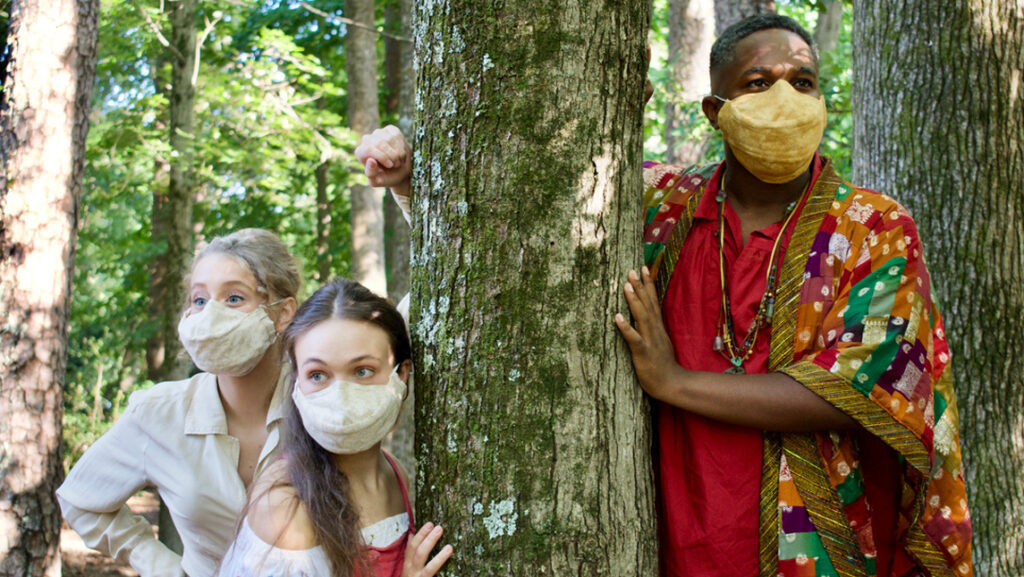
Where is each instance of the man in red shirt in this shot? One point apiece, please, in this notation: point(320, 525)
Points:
point(806, 422)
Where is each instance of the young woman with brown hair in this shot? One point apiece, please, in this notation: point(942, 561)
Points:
point(336, 505)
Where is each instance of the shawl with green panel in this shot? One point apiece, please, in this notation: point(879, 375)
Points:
point(855, 323)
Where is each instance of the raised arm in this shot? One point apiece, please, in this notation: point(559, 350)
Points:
point(387, 159)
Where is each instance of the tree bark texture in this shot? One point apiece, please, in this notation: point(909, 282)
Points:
point(323, 222)
point(400, 78)
point(532, 436)
point(367, 208)
point(691, 28)
point(172, 217)
point(939, 108)
point(728, 12)
point(43, 128)
point(171, 224)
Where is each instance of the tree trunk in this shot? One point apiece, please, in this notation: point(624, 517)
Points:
point(43, 128)
point(532, 436)
point(949, 146)
point(172, 217)
point(363, 116)
point(323, 223)
point(172, 210)
point(400, 78)
point(830, 21)
point(728, 12)
point(691, 26)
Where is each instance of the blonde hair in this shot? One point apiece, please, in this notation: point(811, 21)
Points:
point(263, 253)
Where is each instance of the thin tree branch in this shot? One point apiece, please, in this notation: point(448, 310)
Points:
point(201, 39)
point(156, 30)
point(351, 22)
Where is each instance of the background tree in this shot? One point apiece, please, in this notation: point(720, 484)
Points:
point(172, 207)
point(399, 106)
point(728, 12)
point(829, 25)
point(691, 26)
point(43, 129)
point(363, 117)
point(527, 158)
point(399, 78)
point(949, 146)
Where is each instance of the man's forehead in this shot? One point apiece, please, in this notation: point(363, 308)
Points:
point(769, 47)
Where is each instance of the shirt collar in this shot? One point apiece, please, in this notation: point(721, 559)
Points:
point(206, 413)
point(707, 208)
point(206, 416)
point(276, 410)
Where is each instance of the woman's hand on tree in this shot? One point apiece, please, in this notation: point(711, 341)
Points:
point(386, 159)
point(654, 358)
point(418, 551)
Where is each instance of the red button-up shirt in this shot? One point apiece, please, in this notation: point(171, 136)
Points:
point(710, 472)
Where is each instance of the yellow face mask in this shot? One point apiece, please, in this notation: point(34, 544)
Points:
point(774, 134)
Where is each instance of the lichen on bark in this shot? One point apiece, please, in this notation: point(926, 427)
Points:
point(532, 436)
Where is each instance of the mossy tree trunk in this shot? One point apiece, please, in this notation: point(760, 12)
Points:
point(939, 108)
point(44, 122)
point(532, 437)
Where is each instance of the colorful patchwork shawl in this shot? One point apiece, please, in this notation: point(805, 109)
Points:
point(855, 323)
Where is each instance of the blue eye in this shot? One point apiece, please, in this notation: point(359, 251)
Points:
point(199, 302)
point(365, 372)
point(235, 300)
point(317, 377)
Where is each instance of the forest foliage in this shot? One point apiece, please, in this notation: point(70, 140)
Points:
point(270, 107)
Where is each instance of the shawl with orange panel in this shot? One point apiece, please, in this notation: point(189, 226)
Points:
point(855, 323)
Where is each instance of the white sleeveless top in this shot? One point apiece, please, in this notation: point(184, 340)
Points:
point(250, 556)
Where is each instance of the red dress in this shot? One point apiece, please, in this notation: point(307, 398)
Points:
point(388, 561)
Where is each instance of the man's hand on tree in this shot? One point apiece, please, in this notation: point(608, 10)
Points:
point(386, 159)
point(654, 359)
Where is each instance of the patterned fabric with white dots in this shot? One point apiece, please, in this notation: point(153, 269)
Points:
point(867, 337)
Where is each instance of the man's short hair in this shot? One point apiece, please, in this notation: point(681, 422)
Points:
point(724, 49)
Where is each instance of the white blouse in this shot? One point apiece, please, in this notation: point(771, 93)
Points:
point(173, 436)
point(250, 556)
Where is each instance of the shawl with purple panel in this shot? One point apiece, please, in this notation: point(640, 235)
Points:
point(855, 323)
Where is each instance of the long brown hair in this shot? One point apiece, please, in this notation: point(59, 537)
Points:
point(321, 487)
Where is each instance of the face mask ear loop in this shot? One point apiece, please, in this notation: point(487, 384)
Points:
point(720, 98)
point(264, 306)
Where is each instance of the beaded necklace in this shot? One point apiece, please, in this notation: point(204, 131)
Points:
point(725, 341)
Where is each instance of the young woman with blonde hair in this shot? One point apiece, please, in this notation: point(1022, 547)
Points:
point(202, 440)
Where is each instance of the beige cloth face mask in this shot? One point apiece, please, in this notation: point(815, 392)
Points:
point(774, 134)
point(226, 341)
point(346, 418)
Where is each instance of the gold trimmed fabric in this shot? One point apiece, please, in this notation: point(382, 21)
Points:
point(854, 322)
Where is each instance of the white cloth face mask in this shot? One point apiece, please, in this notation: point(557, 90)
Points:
point(347, 418)
point(226, 341)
